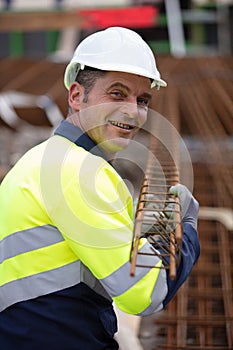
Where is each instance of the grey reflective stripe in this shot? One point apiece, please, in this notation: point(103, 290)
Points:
point(45, 282)
point(48, 282)
point(27, 240)
point(40, 284)
point(120, 280)
point(158, 295)
point(89, 279)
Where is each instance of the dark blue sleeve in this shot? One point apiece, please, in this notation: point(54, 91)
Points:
point(190, 252)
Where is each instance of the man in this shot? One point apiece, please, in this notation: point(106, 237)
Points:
point(66, 216)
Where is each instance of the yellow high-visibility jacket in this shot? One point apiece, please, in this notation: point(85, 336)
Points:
point(66, 216)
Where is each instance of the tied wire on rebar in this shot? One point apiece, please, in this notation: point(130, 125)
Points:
point(157, 215)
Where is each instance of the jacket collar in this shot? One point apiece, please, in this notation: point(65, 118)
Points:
point(77, 136)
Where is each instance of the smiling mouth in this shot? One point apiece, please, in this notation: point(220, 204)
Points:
point(121, 125)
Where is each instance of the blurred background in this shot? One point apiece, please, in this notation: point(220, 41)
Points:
point(193, 44)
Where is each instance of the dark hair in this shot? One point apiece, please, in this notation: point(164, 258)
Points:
point(87, 79)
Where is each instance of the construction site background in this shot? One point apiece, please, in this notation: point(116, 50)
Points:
point(194, 55)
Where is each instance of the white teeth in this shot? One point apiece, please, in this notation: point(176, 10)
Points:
point(120, 125)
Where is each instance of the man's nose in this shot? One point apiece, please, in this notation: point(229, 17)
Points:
point(130, 109)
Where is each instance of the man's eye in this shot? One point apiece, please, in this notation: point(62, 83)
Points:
point(117, 94)
point(143, 102)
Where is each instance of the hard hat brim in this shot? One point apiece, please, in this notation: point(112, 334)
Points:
point(73, 69)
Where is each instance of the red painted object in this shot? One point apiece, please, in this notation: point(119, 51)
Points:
point(138, 16)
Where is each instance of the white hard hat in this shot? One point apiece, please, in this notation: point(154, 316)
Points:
point(114, 49)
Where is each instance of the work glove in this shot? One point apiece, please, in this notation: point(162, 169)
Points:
point(189, 205)
point(155, 217)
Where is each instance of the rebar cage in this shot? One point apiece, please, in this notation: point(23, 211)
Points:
point(158, 214)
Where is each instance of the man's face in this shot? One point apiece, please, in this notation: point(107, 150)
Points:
point(115, 109)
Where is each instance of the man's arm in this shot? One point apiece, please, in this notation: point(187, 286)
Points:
point(190, 248)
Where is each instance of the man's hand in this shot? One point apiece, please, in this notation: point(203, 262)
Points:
point(189, 205)
point(156, 218)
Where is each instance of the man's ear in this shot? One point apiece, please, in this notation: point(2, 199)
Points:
point(76, 95)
